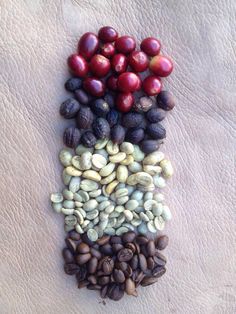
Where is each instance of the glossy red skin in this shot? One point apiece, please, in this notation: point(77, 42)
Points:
point(94, 86)
point(152, 85)
point(139, 83)
point(138, 60)
point(99, 65)
point(78, 65)
point(161, 66)
point(108, 50)
point(119, 63)
point(124, 102)
point(151, 46)
point(107, 34)
point(125, 44)
point(88, 45)
point(128, 82)
point(111, 82)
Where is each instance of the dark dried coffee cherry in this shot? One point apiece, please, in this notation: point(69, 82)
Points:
point(88, 139)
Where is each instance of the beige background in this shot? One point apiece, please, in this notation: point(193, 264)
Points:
point(36, 38)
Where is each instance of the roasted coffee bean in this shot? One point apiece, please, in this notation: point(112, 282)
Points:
point(67, 255)
point(118, 276)
point(92, 279)
point(83, 283)
point(151, 248)
point(81, 259)
point(158, 271)
point(150, 263)
point(82, 96)
point(156, 115)
point(95, 253)
point(93, 287)
point(137, 248)
point(128, 272)
point(141, 240)
point(159, 259)
point(131, 246)
point(83, 248)
point(104, 291)
point(101, 128)
point(103, 240)
point(116, 240)
point(132, 119)
point(92, 265)
point(100, 273)
point(110, 99)
point(130, 288)
point(113, 117)
point(81, 275)
point(117, 247)
point(156, 131)
point(165, 100)
point(121, 265)
point(106, 249)
point(125, 255)
point(84, 118)
point(95, 246)
point(148, 280)
point(162, 242)
point(117, 134)
point(143, 250)
point(88, 139)
point(107, 265)
point(103, 280)
point(115, 292)
point(135, 135)
point(139, 277)
point(69, 108)
point(71, 244)
point(86, 239)
point(74, 235)
point(73, 83)
point(142, 262)
point(71, 137)
point(71, 269)
point(100, 107)
point(128, 237)
point(134, 262)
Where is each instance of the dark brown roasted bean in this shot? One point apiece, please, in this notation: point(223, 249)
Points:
point(92, 265)
point(151, 248)
point(128, 237)
point(67, 255)
point(142, 262)
point(71, 268)
point(83, 248)
point(118, 276)
point(83, 258)
point(103, 240)
point(124, 255)
point(162, 242)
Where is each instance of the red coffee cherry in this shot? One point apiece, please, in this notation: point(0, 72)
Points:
point(125, 44)
point(111, 82)
point(128, 82)
point(99, 65)
point(107, 34)
point(161, 66)
point(151, 46)
point(108, 50)
point(78, 65)
point(119, 63)
point(94, 86)
point(138, 61)
point(124, 102)
point(152, 85)
point(88, 45)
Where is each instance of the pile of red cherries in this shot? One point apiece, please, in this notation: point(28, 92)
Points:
point(108, 61)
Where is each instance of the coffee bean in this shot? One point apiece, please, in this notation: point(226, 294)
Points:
point(104, 291)
point(103, 240)
point(115, 292)
point(148, 280)
point(74, 235)
point(141, 240)
point(151, 248)
point(106, 249)
point(128, 272)
point(142, 262)
point(83, 284)
point(159, 259)
point(121, 265)
point(118, 276)
point(100, 273)
point(117, 247)
point(92, 279)
point(150, 263)
point(86, 239)
point(67, 255)
point(124, 255)
point(158, 271)
point(131, 246)
point(95, 253)
point(104, 280)
point(165, 100)
point(93, 287)
point(83, 248)
point(83, 258)
point(82, 96)
point(128, 237)
point(143, 250)
point(73, 83)
point(116, 240)
point(107, 265)
point(71, 137)
point(134, 262)
point(92, 265)
point(69, 108)
point(162, 242)
point(71, 244)
point(139, 277)
point(71, 269)
point(137, 248)
point(130, 287)
point(81, 275)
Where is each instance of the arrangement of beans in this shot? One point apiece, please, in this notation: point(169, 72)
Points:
point(113, 173)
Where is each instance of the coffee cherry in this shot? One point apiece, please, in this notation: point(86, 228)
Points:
point(125, 44)
point(165, 101)
point(78, 65)
point(139, 85)
point(112, 82)
point(152, 85)
point(138, 61)
point(128, 82)
point(73, 83)
point(88, 45)
point(151, 46)
point(94, 86)
point(108, 50)
point(124, 102)
point(107, 34)
point(161, 66)
point(119, 63)
point(99, 65)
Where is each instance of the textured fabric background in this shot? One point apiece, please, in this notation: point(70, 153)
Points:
point(36, 38)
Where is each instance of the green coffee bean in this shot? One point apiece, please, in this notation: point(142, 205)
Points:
point(144, 217)
point(70, 220)
point(135, 167)
point(110, 231)
point(66, 177)
point(65, 157)
point(137, 195)
point(68, 195)
point(56, 197)
point(166, 214)
point(121, 230)
point(109, 209)
point(149, 214)
point(131, 204)
point(148, 196)
point(159, 223)
point(57, 207)
point(95, 193)
point(80, 149)
point(67, 211)
point(138, 154)
point(102, 152)
point(142, 228)
point(101, 198)
point(101, 143)
point(79, 229)
point(128, 215)
point(129, 226)
point(88, 185)
point(127, 148)
point(90, 205)
point(151, 226)
point(74, 184)
point(122, 200)
point(92, 235)
point(68, 204)
point(92, 214)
